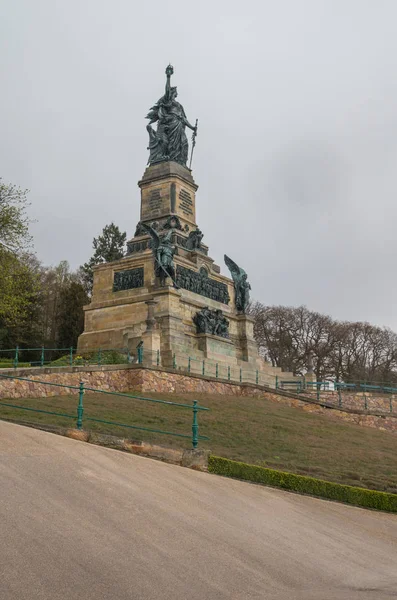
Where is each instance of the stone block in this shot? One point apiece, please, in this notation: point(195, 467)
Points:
point(168, 188)
point(216, 348)
point(196, 459)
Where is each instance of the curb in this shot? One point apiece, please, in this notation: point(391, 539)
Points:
point(193, 459)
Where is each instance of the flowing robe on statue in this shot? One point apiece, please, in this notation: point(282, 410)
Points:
point(169, 142)
point(177, 141)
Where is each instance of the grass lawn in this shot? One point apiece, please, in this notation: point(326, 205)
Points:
point(251, 430)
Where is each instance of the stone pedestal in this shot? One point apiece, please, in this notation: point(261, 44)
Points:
point(245, 333)
point(151, 346)
point(129, 306)
point(217, 348)
point(167, 189)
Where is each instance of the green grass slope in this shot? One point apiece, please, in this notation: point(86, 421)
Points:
point(250, 430)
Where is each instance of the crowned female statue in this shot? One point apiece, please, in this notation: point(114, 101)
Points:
point(169, 141)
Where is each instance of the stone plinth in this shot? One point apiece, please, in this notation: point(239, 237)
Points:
point(245, 334)
point(217, 348)
point(168, 188)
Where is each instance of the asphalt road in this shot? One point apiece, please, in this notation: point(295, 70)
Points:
point(80, 522)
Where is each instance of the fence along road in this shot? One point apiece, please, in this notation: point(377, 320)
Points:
point(80, 521)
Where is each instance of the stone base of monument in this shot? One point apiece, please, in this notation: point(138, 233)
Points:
point(131, 303)
point(216, 348)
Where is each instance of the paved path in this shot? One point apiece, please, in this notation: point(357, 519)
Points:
point(79, 522)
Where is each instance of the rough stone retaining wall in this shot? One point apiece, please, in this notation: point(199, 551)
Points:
point(127, 378)
point(373, 401)
point(114, 379)
point(104, 378)
point(384, 422)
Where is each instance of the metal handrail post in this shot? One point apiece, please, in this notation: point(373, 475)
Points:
point(42, 357)
point(80, 407)
point(195, 427)
point(71, 356)
point(16, 357)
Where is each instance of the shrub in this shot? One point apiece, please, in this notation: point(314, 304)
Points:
point(303, 484)
point(10, 364)
point(105, 357)
point(112, 357)
point(62, 361)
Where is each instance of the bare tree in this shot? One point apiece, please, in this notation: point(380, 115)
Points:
point(346, 351)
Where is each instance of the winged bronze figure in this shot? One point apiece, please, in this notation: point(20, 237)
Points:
point(241, 285)
point(163, 252)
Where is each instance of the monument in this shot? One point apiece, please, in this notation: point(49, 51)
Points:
point(167, 294)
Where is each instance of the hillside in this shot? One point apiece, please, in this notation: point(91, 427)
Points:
point(252, 430)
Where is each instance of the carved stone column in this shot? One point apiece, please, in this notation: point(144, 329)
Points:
point(150, 321)
point(151, 337)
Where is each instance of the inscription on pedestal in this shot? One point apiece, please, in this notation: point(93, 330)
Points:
point(127, 280)
point(186, 203)
point(152, 205)
point(155, 200)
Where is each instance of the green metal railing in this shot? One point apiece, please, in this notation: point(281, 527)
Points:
point(56, 357)
point(210, 368)
point(326, 391)
point(82, 389)
point(333, 393)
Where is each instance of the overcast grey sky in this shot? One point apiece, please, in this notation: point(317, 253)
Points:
point(296, 155)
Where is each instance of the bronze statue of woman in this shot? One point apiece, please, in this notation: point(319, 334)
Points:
point(169, 142)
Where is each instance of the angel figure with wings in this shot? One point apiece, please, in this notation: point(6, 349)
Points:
point(163, 252)
point(241, 285)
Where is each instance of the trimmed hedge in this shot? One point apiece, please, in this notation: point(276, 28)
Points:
point(303, 484)
point(9, 364)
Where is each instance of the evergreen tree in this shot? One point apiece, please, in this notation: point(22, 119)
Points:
point(107, 247)
point(71, 315)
